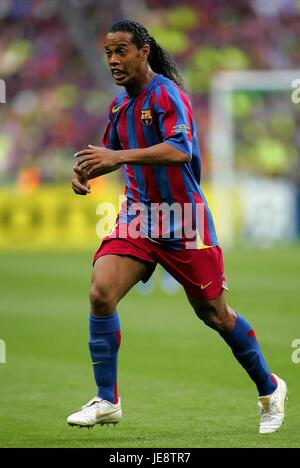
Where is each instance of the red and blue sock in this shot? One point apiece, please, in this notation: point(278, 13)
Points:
point(246, 350)
point(105, 339)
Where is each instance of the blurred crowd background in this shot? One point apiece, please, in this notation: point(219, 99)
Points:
point(58, 86)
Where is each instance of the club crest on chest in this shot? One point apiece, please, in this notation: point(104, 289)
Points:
point(146, 116)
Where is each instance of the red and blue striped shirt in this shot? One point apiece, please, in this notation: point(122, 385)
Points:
point(161, 112)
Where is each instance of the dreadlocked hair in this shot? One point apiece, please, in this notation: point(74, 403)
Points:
point(159, 59)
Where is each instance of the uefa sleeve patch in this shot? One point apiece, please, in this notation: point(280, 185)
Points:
point(182, 128)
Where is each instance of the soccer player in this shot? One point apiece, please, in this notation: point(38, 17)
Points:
point(152, 133)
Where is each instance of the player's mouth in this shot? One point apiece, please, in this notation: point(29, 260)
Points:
point(118, 74)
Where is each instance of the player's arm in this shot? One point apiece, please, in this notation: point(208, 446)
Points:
point(97, 161)
point(174, 120)
point(163, 153)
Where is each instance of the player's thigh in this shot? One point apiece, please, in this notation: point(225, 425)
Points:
point(114, 275)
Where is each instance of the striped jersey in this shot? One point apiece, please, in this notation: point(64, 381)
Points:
point(165, 199)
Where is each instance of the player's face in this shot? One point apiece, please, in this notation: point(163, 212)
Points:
point(126, 62)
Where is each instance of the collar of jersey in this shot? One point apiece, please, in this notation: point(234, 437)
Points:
point(148, 85)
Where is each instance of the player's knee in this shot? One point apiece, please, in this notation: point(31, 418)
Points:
point(102, 300)
point(212, 321)
point(217, 318)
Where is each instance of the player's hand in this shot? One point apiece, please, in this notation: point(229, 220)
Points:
point(96, 160)
point(80, 183)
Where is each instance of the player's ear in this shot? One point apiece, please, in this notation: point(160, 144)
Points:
point(145, 51)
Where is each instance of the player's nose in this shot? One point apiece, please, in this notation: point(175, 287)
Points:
point(113, 61)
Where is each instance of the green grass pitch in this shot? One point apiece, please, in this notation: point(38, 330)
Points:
point(180, 385)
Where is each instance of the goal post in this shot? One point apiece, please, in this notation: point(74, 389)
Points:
point(225, 178)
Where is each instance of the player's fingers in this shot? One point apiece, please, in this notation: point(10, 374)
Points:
point(86, 165)
point(82, 175)
point(84, 158)
point(96, 147)
point(96, 168)
point(79, 193)
point(84, 151)
point(80, 188)
point(77, 170)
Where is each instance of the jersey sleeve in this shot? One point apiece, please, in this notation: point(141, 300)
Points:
point(110, 138)
point(174, 113)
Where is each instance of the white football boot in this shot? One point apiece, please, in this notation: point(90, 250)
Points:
point(272, 408)
point(96, 411)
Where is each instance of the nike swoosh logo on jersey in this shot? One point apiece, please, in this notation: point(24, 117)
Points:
point(115, 109)
point(204, 286)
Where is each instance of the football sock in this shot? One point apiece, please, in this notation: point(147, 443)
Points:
point(246, 349)
point(105, 339)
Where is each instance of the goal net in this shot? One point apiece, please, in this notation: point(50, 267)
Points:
point(254, 154)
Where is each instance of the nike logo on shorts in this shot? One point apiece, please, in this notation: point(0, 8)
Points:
point(204, 286)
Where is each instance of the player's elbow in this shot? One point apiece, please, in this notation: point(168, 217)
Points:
point(180, 156)
point(177, 155)
point(187, 158)
point(183, 157)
